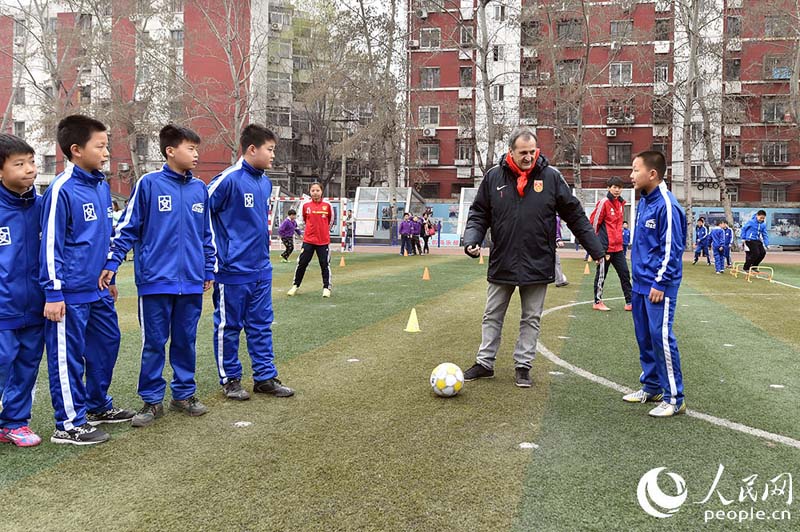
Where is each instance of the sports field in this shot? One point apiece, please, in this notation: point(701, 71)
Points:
point(365, 445)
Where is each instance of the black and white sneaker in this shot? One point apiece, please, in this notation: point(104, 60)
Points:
point(233, 390)
point(112, 415)
point(83, 435)
point(478, 372)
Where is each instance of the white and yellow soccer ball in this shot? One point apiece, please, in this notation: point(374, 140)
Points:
point(447, 379)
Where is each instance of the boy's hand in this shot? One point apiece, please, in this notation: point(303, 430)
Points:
point(207, 285)
point(105, 279)
point(656, 296)
point(55, 311)
point(113, 291)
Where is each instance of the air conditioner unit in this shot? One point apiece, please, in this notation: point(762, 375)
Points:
point(616, 46)
point(586, 160)
point(413, 43)
point(429, 132)
point(544, 76)
point(123, 167)
point(274, 59)
point(421, 13)
point(611, 132)
point(275, 26)
point(751, 158)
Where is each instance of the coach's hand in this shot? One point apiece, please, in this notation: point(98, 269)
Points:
point(560, 243)
point(473, 251)
point(113, 292)
point(105, 279)
point(207, 285)
point(55, 311)
point(656, 296)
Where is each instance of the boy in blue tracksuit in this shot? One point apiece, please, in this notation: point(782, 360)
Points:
point(81, 332)
point(656, 262)
point(167, 222)
point(21, 298)
point(720, 244)
point(239, 204)
point(755, 240)
point(626, 239)
point(701, 241)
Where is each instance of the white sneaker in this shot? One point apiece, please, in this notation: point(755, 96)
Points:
point(326, 292)
point(667, 410)
point(293, 290)
point(641, 396)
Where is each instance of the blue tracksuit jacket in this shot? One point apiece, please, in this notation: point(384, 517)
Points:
point(658, 243)
point(167, 223)
point(76, 232)
point(755, 230)
point(239, 204)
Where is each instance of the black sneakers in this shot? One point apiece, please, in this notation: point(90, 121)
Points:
point(86, 434)
point(522, 377)
point(112, 415)
point(190, 406)
point(233, 390)
point(272, 387)
point(478, 372)
point(147, 414)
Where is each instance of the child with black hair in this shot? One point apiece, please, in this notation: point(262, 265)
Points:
point(21, 298)
point(167, 223)
point(286, 232)
point(82, 331)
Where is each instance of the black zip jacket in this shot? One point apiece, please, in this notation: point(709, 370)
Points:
point(524, 228)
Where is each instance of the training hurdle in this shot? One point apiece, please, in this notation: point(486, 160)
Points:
point(760, 272)
point(736, 269)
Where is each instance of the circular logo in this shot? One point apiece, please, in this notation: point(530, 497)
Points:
point(654, 501)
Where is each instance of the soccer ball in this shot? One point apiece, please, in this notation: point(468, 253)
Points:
point(447, 379)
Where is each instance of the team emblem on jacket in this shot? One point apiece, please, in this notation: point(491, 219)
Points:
point(248, 200)
point(538, 185)
point(110, 212)
point(164, 203)
point(198, 207)
point(88, 212)
point(5, 236)
point(650, 224)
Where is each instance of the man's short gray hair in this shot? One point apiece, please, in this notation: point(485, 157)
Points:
point(525, 133)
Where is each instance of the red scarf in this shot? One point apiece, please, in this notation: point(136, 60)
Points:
point(522, 175)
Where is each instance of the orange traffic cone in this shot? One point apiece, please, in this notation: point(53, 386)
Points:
point(405, 253)
point(586, 270)
point(413, 323)
point(426, 275)
point(341, 262)
point(480, 261)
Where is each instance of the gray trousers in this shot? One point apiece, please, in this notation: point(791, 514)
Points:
point(560, 277)
point(497, 299)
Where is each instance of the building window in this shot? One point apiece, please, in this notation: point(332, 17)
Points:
point(279, 116)
point(429, 190)
point(697, 172)
point(429, 153)
point(529, 74)
point(697, 88)
point(498, 92)
point(775, 153)
point(620, 73)
point(528, 110)
point(777, 67)
point(734, 110)
point(497, 52)
point(733, 193)
point(620, 112)
point(49, 166)
point(430, 38)
point(776, 26)
point(277, 16)
point(566, 153)
point(19, 129)
point(19, 28)
point(531, 32)
point(568, 71)
point(619, 154)
point(733, 69)
point(731, 152)
point(86, 94)
point(733, 26)
point(428, 115)
point(500, 13)
point(464, 150)
point(465, 115)
point(661, 73)
point(569, 30)
point(429, 77)
point(567, 114)
point(696, 132)
point(465, 76)
point(176, 38)
point(621, 30)
point(85, 22)
point(467, 37)
point(773, 110)
point(142, 145)
point(662, 110)
point(662, 29)
point(661, 148)
point(176, 6)
point(19, 95)
point(773, 193)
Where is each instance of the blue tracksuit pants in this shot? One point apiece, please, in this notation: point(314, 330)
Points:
point(719, 259)
point(20, 354)
point(85, 343)
point(248, 306)
point(658, 348)
point(170, 317)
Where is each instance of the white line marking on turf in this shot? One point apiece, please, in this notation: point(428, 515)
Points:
point(778, 386)
point(728, 345)
point(720, 422)
point(528, 445)
point(786, 284)
point(242, 424)
point(353, 360)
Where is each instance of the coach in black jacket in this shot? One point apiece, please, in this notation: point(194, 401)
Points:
point(518, 200)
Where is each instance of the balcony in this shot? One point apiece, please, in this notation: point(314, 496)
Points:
point(619, 119)
point(465, 93)
point(661, 47)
